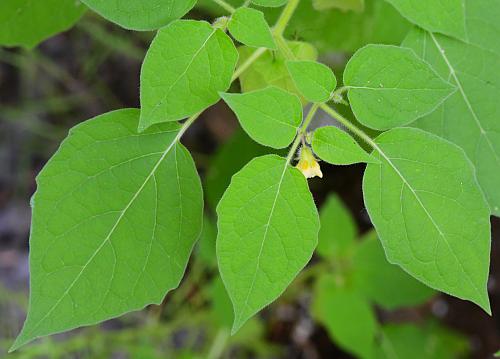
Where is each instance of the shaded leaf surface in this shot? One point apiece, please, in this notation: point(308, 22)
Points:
point(314, 80)
point(347, 316)
point(141, 14)
point(186, 67)
point(27, 23)
point(335, 146)
point(270, 116)
point(384, 283)
point(268, 229)
point(470, 116)
point(430, 214)
point(249, 27)
point(390, 86)
point(115, 217)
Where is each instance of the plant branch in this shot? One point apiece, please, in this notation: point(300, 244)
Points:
point(350, 126)
point(225, 6)
point(301, 132)
point(244, 66)
point(285, 17)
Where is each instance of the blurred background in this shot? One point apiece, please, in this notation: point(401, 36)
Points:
point(94, 68)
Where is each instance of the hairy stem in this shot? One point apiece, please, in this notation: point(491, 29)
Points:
point(301, 132)
point(349, 125)
point(225, 6)
point(285, 17)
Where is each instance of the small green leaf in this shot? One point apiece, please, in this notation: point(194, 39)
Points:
point(347, 316)
point(27, 23)
point(115, 217)
point(270, 68)
point(270, 3)
point(186, 67)
point(249, 27)
point(338, 230)
point(270, 116)
point(268, 229)
point(345, 5)
point(390, 86)
point(431, 216)
point(141, 14)
point(314, 80)
point(445, 16)
point(335, 146)
point(469, 117)
point(384, 283)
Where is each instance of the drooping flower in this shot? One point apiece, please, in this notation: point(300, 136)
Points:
point(307, 163)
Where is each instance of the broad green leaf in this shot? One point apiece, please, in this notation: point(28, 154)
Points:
point(338, 230)
point(390, 86)
point(270, 68)
point(249, 27)
point(379, 23)
point(346, 5)
point(141, 14)
point(444, 16)
point(337, 147)
point(187, 65)
point(314, 80)
point(409, 341)
point(347, 316)
point(115, 218)
point(268, 229)
point(27, 23)
point(431, 216)
point(469, 118)
point(270, 3)
point(270, 116)
point(229, 159)
point(384, 283)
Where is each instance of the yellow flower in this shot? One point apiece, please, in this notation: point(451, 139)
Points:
point(308, 164)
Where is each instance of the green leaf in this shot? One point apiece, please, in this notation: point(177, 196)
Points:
point(384, 283)
point(444, 16)
point(270, 3)
point(186, 67)
point(469, 118)
point(268, 229)
point(338, 230)
point(431, 216)
point(115, 218)
point(345, 5)
point(335, 146)
point(270, 68)
point(249, 27)
point(347, 316)
point(314, 80)
point(229, 159)
point(414, 342)
point(390, 86)
point(270, 116)
point(141, 14)
point(27, 23)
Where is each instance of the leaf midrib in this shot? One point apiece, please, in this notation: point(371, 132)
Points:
point(113, 228)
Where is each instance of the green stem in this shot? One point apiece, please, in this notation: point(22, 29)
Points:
point(285, 17)
point(301, 132)
point(225, 6)
point(244, 66)
point(219, 344)
point(283, 47)
point(349, 125)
